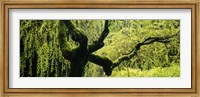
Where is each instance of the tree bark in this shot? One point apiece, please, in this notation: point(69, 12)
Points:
point(78, 62)
point(110, 65)
point(99, 43)
point(105, 62)
point(82, 54)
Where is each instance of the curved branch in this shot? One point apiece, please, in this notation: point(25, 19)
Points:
point(65, 45)
point(108, 65)
point(77, 34)
point(147, 41)
point(99, 43)
point(123, 58)
point(105, 62)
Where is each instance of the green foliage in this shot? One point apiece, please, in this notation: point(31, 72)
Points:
point(172, 71)
point(125, 35)
point(93, 28)
point(40, 53)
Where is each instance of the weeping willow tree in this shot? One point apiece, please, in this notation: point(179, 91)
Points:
point(39, 49)
point(54, 48)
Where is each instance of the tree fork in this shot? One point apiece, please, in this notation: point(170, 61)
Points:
point(99, 43)
point(81, 55)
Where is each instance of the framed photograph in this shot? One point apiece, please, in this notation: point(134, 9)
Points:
point(100, 48)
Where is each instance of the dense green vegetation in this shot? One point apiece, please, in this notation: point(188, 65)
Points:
point(99, 48)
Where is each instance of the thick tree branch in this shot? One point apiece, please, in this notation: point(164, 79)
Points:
point(108, 65)
point(147, 41)
point(65, 46)
point(105, 62)
point(99, 43)
point(77, 34)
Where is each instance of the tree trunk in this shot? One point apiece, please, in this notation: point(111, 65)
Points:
point(77, 69)
point(78, 62)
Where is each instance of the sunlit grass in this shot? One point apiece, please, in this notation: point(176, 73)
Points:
point(172, 71)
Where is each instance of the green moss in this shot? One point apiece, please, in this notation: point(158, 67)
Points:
point(41, 55)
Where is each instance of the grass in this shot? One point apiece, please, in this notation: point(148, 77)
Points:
point(172, 71)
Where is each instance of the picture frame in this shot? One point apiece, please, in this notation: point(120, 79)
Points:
point(96, 92)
